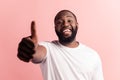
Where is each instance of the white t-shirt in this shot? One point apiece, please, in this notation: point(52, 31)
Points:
point(63, 63)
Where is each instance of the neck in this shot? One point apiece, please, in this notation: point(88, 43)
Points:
point(72, 44)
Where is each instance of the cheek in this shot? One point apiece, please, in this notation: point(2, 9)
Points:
point(75, 26)
point(58, 28)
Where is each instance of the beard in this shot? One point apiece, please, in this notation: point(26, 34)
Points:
point(66, 40)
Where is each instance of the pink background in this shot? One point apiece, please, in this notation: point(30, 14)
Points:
point(99, 28)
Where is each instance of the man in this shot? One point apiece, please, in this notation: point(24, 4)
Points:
point(65, 58)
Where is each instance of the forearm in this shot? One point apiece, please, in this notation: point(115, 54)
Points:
point(39, 54)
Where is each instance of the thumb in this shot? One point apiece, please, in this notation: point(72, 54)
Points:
point(33, 32)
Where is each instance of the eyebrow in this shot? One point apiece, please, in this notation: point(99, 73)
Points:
point(69, 16)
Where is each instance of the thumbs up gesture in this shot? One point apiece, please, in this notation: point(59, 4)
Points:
point(27, 46)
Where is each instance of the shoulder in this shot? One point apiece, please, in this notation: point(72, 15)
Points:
point(87, 48)
point(49, 43)
point(90, 52)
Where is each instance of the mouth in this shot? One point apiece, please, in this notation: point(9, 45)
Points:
point(66, 32)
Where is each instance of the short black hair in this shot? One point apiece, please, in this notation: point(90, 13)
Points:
point(63, 11)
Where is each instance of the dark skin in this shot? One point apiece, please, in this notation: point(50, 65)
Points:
point(64, 26)
point(28, 48)
point(31, 51)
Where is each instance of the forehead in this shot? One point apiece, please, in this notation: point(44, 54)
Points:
point(64, 14)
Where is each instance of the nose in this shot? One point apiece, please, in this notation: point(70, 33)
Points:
point(65, 24)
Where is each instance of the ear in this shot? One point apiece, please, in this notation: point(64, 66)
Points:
point(55, 27)
point(77, 24)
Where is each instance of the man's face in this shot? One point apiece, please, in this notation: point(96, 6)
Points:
point(66, 27)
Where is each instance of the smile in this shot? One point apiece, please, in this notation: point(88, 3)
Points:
point(66, 30)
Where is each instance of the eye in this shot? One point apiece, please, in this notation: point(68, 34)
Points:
point(59, 22)
point(70, 21)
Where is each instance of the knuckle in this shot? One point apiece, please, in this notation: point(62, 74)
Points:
point(23, 58)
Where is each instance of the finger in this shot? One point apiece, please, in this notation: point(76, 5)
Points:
point(23, 47)
point(26, 50)
point(33, 32)
point(24, 55)
point(27, 42)
point(26, 46)
point(23, 58)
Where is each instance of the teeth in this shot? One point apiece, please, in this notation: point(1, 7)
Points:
point(66, 30)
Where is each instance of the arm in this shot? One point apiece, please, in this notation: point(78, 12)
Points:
point(39, 55)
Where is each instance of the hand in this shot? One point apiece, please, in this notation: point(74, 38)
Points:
point(27, 46)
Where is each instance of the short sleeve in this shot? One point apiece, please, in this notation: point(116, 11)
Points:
point(45, 44)
point(98, 72)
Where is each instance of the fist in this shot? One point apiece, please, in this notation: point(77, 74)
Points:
point(25, 50)
point(27, 45)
